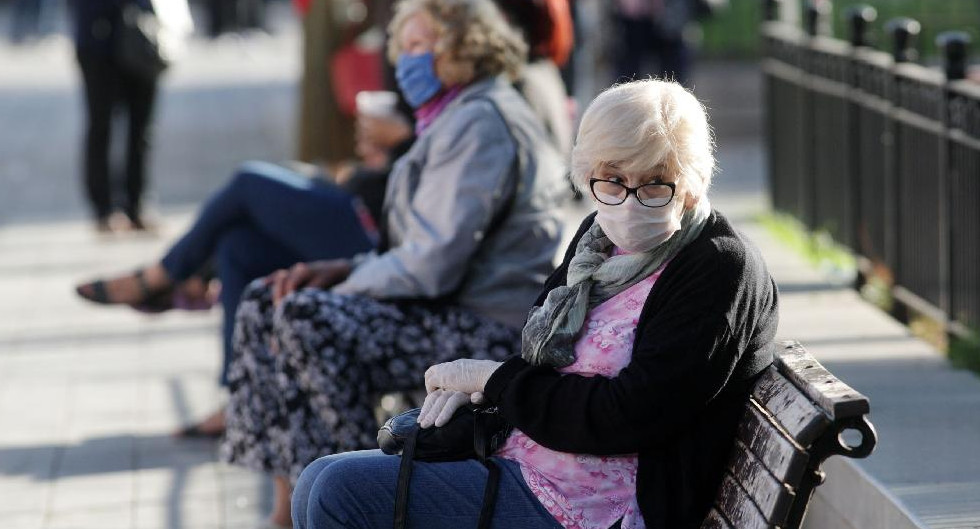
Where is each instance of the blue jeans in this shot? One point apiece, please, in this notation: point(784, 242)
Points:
point(267, 217)
point(357, 489)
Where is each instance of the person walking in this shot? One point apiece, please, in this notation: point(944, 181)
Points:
point(108, 86)
point(653, 29)
point(30, 19)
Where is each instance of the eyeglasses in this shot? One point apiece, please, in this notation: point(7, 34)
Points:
point(614, 193)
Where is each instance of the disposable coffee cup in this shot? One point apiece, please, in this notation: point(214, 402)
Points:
point(376, 104)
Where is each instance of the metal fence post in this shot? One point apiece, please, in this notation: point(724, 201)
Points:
point(904, 34)
point(859, 19)
point(954, 46)
point(817, 17)
point(770, 10)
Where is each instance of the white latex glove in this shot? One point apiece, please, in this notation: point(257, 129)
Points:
point(439, 407)
point(465, 375)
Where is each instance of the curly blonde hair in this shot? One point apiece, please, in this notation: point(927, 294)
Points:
point(473, 36)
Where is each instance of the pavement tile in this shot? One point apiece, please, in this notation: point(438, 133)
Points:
point(23, 497)
point(26, 520)
point(198, 480)
point(93, 492)
point(198, 512)
point(101, 517)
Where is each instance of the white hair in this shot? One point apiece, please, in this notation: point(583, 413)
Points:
point(640, 125)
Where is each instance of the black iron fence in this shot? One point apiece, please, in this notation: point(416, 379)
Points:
point(880, 152)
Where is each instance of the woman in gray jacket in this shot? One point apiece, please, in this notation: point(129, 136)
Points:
point(469, 242)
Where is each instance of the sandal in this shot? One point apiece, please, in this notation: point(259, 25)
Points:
point(211, 427)
point(195, 431)
point(151, 300)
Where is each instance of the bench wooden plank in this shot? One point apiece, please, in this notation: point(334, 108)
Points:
point(715, 521)
point(778, 453)
point(768, 481)
point(792, 408)
point(836, 398)
point(771, 496)
point(738, 507)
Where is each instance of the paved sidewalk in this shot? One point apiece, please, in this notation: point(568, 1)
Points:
point(88, 396)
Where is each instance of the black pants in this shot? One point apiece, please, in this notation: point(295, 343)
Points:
point(640, 39)
point(108, 88)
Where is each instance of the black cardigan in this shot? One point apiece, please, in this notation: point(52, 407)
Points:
point(706, 330)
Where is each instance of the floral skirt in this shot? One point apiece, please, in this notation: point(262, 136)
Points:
point(307, 374)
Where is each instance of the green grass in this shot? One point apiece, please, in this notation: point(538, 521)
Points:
point(819, 248)
point(734, 33)
point(822, 251)
point(964, 352)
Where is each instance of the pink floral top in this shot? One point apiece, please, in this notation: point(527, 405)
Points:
point(585, 491)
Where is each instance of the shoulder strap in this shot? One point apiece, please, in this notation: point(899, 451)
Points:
point(404, 479)
point(489, 494)
point(498, 219)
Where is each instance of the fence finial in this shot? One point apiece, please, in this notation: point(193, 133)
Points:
point(818, 17)
point(770, 10)
point(904, 32)
point(860, 17)
point(955, 45)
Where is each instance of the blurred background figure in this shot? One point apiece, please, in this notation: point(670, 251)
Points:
point(220, 16)
point(252, 14)
point(652, 29)
point(547, 29)
point(30, 19)
point(235, 15)
point(109, 87)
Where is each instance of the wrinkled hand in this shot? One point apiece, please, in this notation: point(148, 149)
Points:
point(465, 375)
point(318, 274)
point(439, 407)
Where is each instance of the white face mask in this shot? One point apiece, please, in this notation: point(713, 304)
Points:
point(636, 228)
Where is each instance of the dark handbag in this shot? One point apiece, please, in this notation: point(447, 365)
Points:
point(137, 49)
point(472, 433)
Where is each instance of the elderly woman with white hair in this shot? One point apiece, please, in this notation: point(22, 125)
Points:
point(637, 358)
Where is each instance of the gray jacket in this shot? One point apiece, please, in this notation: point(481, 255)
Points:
point(442, 196)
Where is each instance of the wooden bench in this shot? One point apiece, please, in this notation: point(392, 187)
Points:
point(796, 418)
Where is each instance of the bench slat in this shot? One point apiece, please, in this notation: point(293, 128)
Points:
point(777, 452)
point(715, 521)
point(738, 507)
point(836, 398)
point(771, 496)
point(792, 409)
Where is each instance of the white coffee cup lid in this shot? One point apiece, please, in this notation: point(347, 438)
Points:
point(376, 102)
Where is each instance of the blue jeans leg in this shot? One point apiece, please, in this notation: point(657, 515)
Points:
point(244, 254)
point(313, 219)
point(357, 489)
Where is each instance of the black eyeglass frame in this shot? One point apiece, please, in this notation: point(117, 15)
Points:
point(633, 191)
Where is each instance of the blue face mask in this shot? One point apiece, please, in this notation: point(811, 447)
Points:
point(416, 76)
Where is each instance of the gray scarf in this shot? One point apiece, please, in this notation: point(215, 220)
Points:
point(594, 277)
